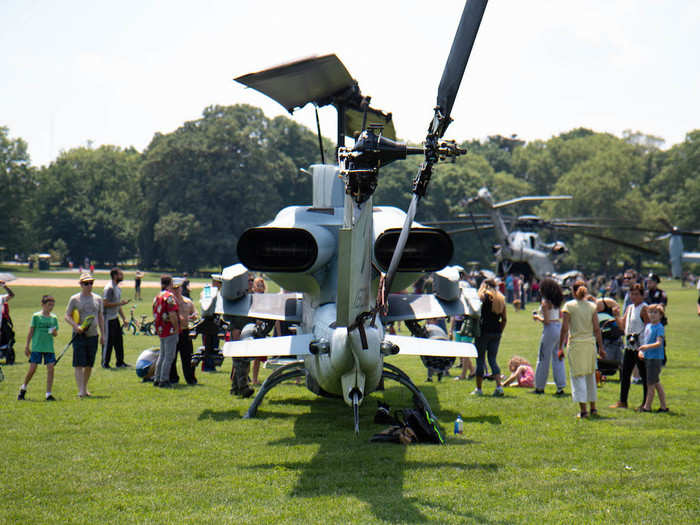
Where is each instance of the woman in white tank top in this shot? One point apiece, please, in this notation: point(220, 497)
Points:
point(635, 318)
point(549, 315)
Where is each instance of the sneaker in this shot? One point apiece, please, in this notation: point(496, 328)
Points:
point(106, 366)
point(50, 398)
point(123, 365)
point(619, 404)
point(637, 380)
point(20, 396)
point(156, 383)
point(535, 391)
point(477, 392)
point(498, 392)
point(165, 384)
point(247, 392)
point(560, 393)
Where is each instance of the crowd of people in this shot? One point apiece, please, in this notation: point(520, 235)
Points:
point(594, 335)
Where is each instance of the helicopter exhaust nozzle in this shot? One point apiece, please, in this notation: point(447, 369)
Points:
point(427, 250)
point(286, 250)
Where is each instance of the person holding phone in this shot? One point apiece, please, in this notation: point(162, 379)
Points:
point(112, 303)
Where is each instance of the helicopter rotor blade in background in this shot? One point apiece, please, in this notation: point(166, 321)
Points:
point(479, 220)
point(636, 247)
point(447, 92)
point(472, 229)
point(532, 198)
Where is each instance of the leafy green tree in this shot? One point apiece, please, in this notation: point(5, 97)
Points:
point(87, 197)
point(497, 150)
point(231, 169)
point(603, 184)
point(17, 182)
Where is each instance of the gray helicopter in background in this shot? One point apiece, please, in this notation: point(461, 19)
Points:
point(519, 248)
point(341, 260)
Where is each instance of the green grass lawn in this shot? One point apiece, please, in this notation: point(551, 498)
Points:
point(135, 454)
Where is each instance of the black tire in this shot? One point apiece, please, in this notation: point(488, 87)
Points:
point(132, 326)
point(10, 360)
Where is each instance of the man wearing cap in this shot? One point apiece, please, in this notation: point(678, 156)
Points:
point(210, 329)
point(81, 307)
point(654, 294)
point(167, 327)
point(112, 302)
point(185, 311)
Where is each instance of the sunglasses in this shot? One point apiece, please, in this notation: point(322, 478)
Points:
point(89, 283)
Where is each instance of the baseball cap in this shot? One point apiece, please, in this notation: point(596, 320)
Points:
point(178, 281)
point(86, 278)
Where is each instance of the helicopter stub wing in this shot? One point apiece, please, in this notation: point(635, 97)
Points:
point(286, 345)
point(274, 306)
point(431, 347)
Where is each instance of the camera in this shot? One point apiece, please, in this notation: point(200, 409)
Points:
point(633, 341)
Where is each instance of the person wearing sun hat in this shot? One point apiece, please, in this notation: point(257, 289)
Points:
point(80, 307)
point(185, 312)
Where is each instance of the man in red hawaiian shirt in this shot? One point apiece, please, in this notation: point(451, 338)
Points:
point(168, 328)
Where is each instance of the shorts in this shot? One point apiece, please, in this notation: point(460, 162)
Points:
point(463, 338)
point(48, 357)
point(653, 370)
point(84, 350)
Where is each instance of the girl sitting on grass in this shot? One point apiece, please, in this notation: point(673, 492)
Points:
point(520, 371)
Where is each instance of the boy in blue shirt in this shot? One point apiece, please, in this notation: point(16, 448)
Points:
point(44, 327)
point(652, 351)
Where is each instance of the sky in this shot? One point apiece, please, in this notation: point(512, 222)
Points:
point(74, 73)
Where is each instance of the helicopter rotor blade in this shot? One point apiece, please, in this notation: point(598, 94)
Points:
point(457, 63)
point(583, 225)
point(611, 240)
point(479, 220)
point(434, 150)
point(472, 229)
point(531, 198)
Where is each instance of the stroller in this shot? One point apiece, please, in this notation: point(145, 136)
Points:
point(7, 337)
point(612, 342)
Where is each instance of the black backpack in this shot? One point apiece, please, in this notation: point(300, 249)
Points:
point(409, 425)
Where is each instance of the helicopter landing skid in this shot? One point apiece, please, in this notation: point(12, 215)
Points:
point(398, 375)
point(289, 371)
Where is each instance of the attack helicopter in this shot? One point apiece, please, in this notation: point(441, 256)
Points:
point(341, 259)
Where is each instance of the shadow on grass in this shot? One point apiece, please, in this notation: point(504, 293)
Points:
point(466, 515)
point(373, 473)
point(218, 415)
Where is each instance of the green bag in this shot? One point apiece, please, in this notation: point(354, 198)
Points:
point(471, 327)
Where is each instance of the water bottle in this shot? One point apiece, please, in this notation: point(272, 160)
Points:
point(207, 292)
point(459, 424)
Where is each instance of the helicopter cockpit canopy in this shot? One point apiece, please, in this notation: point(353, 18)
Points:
point(321, 80)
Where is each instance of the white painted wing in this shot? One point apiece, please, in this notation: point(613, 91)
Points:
point(279, 346)
point(431, 347)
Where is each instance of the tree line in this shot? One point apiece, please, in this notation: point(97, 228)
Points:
point(184, 201)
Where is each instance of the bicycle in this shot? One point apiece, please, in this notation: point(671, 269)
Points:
point(147, 327)
point(132, 324)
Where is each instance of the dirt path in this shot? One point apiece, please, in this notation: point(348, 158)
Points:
point(70, 283)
